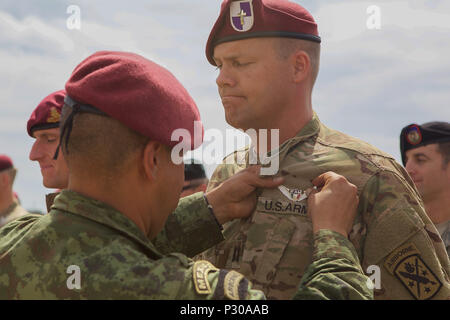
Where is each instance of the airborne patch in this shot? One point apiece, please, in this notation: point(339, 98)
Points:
point(200, 272)
point(407, 265)
point(231, 285)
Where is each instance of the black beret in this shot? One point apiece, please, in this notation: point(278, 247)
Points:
point(193, 170)
point(414, 136)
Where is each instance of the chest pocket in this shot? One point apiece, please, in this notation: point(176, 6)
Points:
point(267, 239)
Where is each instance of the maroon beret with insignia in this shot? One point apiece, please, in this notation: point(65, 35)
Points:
point(47, 113)
point(261, 18)
point(414, 136)
point(5, 162)
point(137, 92)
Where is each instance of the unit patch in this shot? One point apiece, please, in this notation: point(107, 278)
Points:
point(200, 272)
point(407, 265)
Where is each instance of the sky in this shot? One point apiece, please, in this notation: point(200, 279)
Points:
point(384, 64)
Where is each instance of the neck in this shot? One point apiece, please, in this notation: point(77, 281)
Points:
point(6, 200)
point(116, 193)
point(289, 125)
point(438, 208)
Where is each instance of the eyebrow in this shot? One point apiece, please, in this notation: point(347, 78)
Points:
point(417, 155)
point(230, 58)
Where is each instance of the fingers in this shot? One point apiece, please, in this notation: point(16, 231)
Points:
point(324, 178)
point(251, 177)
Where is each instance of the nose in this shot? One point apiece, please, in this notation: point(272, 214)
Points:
point(225, 78)
point(36, 152)
point(410, 168)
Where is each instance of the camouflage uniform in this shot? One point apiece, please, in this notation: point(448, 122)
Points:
point(444, 231)
point(117, 261)
point(273, 247)
point(14, 211)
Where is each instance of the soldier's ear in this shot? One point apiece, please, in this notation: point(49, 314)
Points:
point(152, 159)
point(301, 64)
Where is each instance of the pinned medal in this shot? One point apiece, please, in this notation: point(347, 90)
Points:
point(295, 194)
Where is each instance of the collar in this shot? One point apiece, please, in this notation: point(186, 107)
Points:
point(312, 128)
point(100, 212)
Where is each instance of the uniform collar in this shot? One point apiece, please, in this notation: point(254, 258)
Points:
point(312, 128)
point(100, 212)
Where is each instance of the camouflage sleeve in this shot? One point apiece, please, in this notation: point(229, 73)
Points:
point(190, 229)
point(203, 281)
point(402, 241)
point(335, 272)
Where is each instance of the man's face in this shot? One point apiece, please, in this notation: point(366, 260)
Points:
point(55, 173)
point(253, 82)
point(425, 166)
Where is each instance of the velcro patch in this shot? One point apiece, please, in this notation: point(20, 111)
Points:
point(200, 272)
point(231, 285)
point(281, 206)
point(407, 265)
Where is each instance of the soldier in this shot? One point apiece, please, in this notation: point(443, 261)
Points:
point(425, 153)
point(195, 179)
point(10, 208)
point(190, 230)
point(116, 138)
point(268, 53)
point(43, 126)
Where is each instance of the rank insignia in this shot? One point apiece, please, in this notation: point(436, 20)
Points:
point(294, 194)
point(200, 272)
point(413, 135)
point(241, 15)
point(54, 116)
point(407, 265)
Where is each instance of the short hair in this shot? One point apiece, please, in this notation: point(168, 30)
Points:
point(98, 144)
point(444, 150)
point(286, 46)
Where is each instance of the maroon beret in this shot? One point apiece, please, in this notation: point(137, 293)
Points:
point(47, 113)
point(5, 162)
point(137, 92)
point(261, 18)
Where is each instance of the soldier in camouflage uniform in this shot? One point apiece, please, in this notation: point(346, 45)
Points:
point(94, 243)
point(425, 151)
point(267, 52)
point(189, 230)
point(10, 207)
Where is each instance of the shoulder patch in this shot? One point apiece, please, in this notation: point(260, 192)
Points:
point(200, 272)
point(231, 285)
point(407, 265)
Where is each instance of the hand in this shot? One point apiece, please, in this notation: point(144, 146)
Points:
point(334, 206)
point(236, 197)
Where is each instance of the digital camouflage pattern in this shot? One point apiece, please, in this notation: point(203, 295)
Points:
point(273, 247)
point(14, 211)
point(444, 231)
point(117, 261)
point(190, 229)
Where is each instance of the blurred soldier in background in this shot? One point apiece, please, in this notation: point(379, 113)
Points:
point(10, 208)
point(425, 153)
point(195, 179)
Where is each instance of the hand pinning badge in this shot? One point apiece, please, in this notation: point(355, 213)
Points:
point(296, 194)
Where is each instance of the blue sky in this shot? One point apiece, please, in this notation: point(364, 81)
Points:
point(371, 82)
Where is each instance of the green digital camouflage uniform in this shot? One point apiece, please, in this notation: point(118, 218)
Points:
point(273, 247)
point(444, 231)
point(14, 211)
point(190, 229)
point(117, 261)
